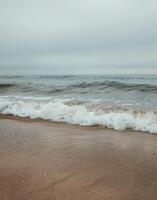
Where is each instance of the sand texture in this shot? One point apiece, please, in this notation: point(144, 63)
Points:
point(54, 161)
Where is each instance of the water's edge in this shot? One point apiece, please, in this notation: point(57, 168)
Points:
point(51, 123)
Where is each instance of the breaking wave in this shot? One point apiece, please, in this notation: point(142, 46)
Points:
point(81, 114)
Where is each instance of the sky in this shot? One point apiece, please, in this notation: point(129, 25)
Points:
point(78, 36)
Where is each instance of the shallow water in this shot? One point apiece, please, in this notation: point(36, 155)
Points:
point(119, 102)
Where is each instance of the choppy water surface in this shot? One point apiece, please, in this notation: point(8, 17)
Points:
point(119, 102)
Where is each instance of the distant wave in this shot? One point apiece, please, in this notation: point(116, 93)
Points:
point(36, 76)
point(117, 85)
point(10, 77)
point(81, 114)
point(55, 76)
point(97, 85)
point(6, 85)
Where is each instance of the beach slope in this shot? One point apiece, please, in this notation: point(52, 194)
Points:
point(54, 161)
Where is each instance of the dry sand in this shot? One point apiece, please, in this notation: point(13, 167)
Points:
point(52, 161)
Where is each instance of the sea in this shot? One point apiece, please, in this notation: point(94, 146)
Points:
point(111, 101)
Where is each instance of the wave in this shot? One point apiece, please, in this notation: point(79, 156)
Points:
point(6, 85)
point(79, 87)
point(11, 77)
point(82, 114)
point(55, 76)
point(117, 85)
point(37, 77)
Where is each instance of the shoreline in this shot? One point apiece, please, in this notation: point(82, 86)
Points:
point(49, 160)
point(28, 119)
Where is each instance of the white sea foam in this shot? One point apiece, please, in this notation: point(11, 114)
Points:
point(59, 111)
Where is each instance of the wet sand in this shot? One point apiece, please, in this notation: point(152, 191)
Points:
point(53, 161)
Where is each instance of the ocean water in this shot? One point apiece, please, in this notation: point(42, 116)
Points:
point(114, 101)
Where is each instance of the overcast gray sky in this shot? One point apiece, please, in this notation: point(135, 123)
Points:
point(78, 36)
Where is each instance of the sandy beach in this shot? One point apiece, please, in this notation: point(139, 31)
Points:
point(54, 161)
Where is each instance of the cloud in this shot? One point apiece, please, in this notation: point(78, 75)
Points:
point(69, 36)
